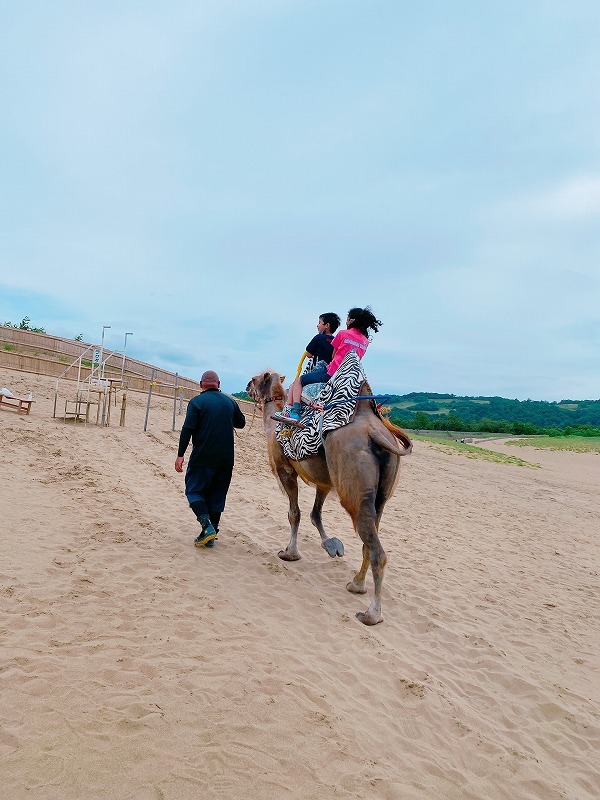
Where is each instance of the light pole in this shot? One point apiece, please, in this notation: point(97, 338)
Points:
point(129, 333)
point(101, 366)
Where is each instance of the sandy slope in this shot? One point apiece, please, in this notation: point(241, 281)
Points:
point(134, 665)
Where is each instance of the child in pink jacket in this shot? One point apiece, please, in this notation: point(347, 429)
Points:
point(354, 337)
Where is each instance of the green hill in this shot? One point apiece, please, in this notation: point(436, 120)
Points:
point(428, 410)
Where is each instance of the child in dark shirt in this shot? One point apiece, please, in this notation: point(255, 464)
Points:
point(355, 337)
point(319, 348)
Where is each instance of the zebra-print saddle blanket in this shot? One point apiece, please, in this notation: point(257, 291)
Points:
point(344, 384)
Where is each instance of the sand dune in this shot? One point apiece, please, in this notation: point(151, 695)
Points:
point(136, 666)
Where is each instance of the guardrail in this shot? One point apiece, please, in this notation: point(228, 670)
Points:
point(40, 353)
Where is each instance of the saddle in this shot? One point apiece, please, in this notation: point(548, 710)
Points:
point(303, 442)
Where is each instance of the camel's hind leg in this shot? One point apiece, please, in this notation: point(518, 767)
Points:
point(378, 560)
point(357, 584)
point(332, 545)
point(367, 525)
point(363, 483)
point(289, 481)
point(375, 555)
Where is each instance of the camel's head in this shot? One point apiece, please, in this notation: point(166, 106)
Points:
point(267, 387)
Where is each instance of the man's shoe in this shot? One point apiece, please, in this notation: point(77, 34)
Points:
point(206, 537)
point(212, 542)
point(208, 531)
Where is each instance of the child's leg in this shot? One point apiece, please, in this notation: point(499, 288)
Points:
point(318, 375)
point(289, 400)
point(295, 392)
point(294, 398)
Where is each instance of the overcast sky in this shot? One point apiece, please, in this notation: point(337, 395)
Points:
point(214, 175)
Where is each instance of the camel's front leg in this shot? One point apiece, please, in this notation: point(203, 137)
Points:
point(333, 546)
point(289, 481)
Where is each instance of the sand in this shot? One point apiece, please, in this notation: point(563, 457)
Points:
point(136, 666)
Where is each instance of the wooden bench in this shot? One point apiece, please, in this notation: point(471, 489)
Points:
point(21, 405)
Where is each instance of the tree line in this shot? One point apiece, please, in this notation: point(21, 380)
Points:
point(25, 325)
point(446, 412)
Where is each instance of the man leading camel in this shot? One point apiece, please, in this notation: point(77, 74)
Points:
point(209, 423)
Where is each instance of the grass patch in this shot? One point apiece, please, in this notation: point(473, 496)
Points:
point(9, 347)
point(574, 444)
point(469, 451)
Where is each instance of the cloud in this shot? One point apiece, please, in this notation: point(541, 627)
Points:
point(575, 198)
point(212, 176)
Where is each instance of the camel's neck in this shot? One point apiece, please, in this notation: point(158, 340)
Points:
point(275, 401)
point(270, 408)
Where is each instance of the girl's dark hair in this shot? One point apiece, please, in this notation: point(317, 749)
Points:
point(364, 319)
point(333, 320)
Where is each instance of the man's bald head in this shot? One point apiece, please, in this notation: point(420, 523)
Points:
point(210, 380)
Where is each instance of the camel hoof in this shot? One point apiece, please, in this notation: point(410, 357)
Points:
point(285, 556)
point(366, 618)
point(356, 588)
point(334, 547)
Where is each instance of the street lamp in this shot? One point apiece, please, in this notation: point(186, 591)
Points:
point(129, 333)
point(104, 327)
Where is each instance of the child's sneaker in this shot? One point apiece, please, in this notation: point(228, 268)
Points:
point(289, 416)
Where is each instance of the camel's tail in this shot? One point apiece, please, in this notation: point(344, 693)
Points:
point(398, 433)
point(395, 430)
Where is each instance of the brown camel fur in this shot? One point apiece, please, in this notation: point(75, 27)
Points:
point(361, 461)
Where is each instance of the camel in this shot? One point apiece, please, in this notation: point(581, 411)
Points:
point(361, 461)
